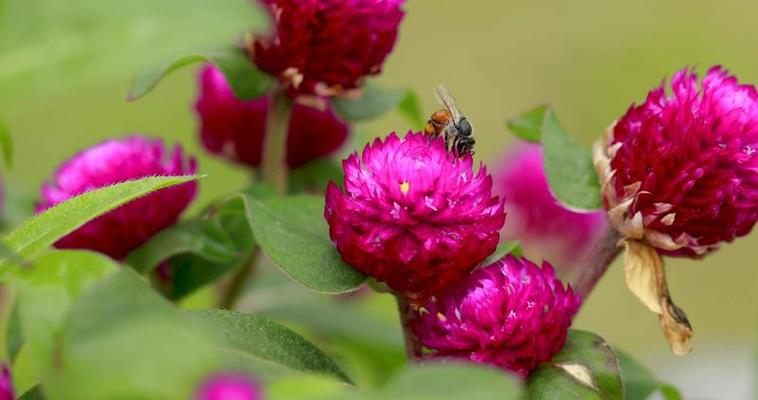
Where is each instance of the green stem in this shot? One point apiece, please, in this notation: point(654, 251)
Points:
point(412, 345)
point(239, 282)
point(7, 300)
point(597, 262)
point(274, 157)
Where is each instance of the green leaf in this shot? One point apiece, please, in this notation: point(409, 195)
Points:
point(439, 381)
point(34, 393)
point(314, 176)
point(246, 80)
point(410, 108)
point(123, 341)
point(433, 381)
point(93, 40)
point(502, 250)
point(586, 368)
point(259, 337)
point(292, 232)
point(9, 255)
point(569, 167)
point(376, 102)
point(47, 289)
point(46, 228)
point(14, 339)
point(528, 126)
point(640, 383)
point(6, 144)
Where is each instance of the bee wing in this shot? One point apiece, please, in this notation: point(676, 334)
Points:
point(444, 97)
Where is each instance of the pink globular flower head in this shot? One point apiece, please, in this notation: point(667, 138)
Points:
point(113, 161)
point(680, 170)
point(6, 384)
point(412, 214)
point(511, 314)
point(235, 128)
point(229, 386)
point(537, 220)
point(325, 47)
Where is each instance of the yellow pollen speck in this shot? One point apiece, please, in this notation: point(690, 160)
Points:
point(405, 187)
point(441, 317)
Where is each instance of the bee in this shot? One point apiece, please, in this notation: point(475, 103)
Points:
point(449, 122)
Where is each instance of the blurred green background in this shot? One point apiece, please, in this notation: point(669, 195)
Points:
point(589, 59)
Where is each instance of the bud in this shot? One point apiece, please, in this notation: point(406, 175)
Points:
point(412, 214)
point(511, 314)
point(113, 161)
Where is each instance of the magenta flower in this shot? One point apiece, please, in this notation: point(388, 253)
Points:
point(412, 214)
point(229, 387)
point(511, 314)
point(235, 128)
point(680, 171)
point(325, 47)
point(541, 224)
point(126, 228)
point(6, 384)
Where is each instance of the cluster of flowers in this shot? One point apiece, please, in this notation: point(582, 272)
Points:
point(679, 172)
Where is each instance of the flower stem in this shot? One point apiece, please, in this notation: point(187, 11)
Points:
point(597, 262)
point(238, 282)
point(412, 345)
point(274, 157)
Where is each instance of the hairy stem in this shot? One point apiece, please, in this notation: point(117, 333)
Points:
point(412, 345)
point(238, 282)
point(274, 157)
point(597, 262)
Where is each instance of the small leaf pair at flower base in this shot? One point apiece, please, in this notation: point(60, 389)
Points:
point(680, 176)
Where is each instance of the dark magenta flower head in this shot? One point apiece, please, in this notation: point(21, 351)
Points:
point(6, 384)
point(681, 170)
point(113, 161)
point(229, 386)
point(537, 220)
point(511, 314)
point(235, 128)
point(412, 214)
point(325, 47)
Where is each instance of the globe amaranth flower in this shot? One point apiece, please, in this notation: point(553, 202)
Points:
point(127, 227)
point(6, 384)
point(412, 214)
point(680, 171)
point(536, 219)
point(235, 128)
point(229, 386)
point(324, 47)
point(511, 314)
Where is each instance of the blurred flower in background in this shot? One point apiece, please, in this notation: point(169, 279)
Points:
point(543, 226)
point(681, 171)
point(324, 47)
point(412, 214)
point(235, 128)
point(127, 227)
point(6, 384)
point(230, 386)
point(511, 314)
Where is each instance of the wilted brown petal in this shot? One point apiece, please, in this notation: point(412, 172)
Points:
point(646, 278)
